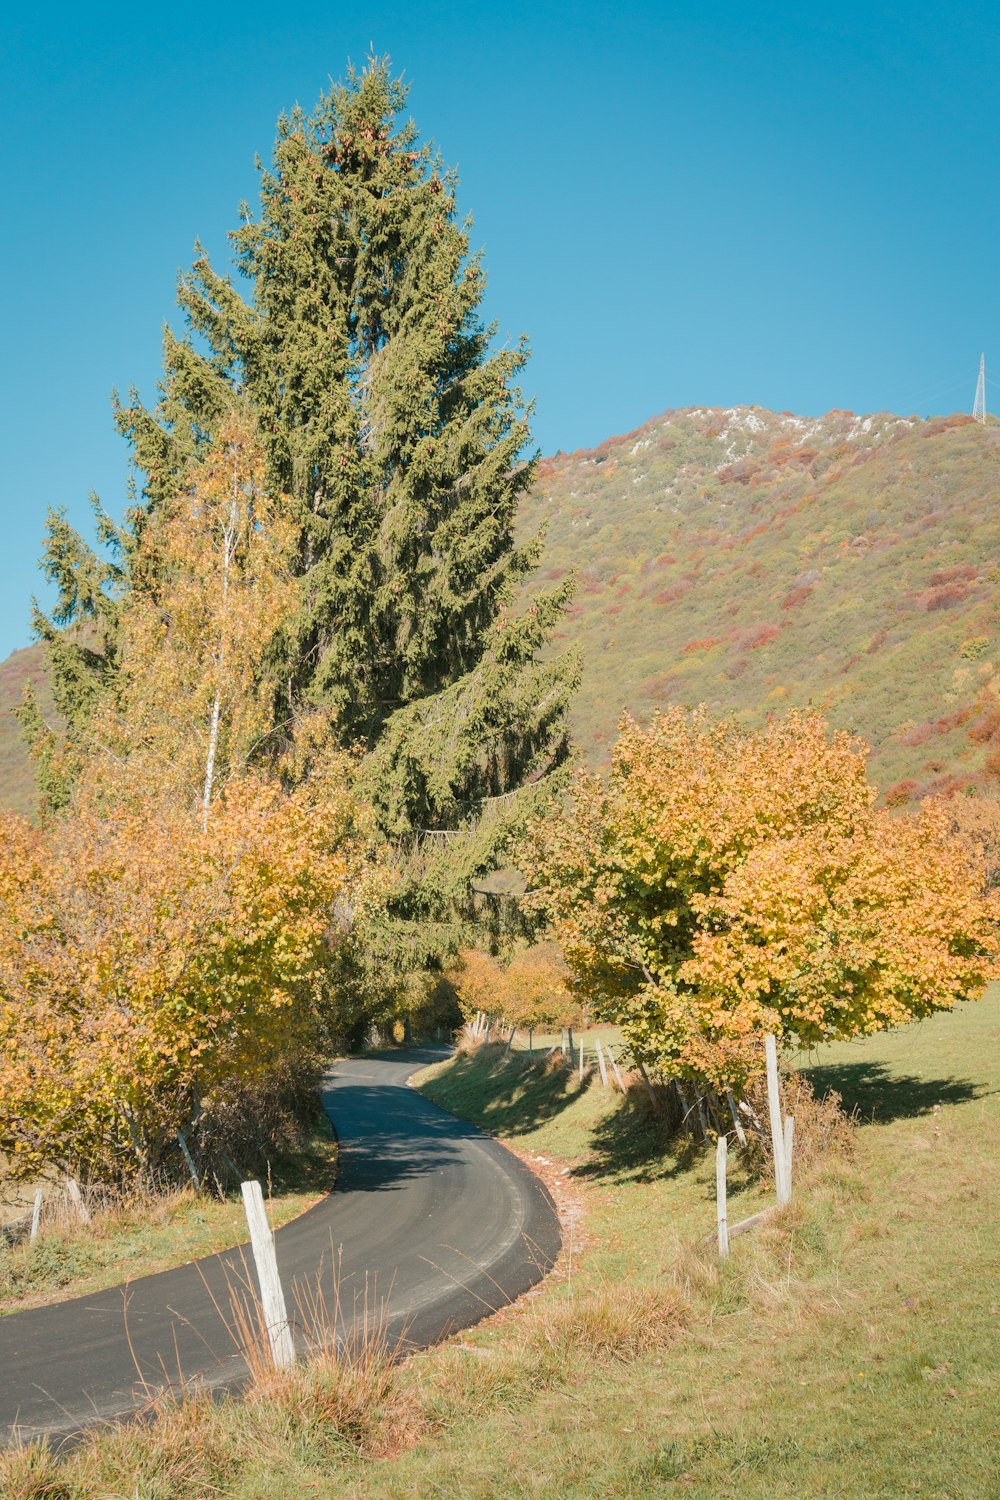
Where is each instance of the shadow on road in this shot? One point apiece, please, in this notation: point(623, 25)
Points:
point(521, 1094)
point(402, 1138)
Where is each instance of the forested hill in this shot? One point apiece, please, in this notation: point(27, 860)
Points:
point(755, 560)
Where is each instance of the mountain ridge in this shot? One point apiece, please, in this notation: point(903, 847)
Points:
point(755, 560)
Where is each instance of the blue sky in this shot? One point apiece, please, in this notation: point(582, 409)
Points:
point(679, 204)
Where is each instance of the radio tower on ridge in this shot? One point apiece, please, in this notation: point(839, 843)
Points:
point(979, 405)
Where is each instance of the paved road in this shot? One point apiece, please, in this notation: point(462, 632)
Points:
point(430, 1220)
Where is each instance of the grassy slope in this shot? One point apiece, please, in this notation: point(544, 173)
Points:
point(853, 1356)
point(131, 1240)
point(846, 1350)
point(755, 561)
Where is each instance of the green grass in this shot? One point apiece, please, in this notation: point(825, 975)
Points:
point(847, 1349)
point(145, 1234)
point(850, 1351)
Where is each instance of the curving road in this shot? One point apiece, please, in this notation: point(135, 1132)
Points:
point(431, 1222)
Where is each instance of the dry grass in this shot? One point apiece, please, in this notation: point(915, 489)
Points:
point(823, 1129)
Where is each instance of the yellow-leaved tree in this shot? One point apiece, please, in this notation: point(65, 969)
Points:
point(150, 965)
point(181, 931)
point(539, 994)
point(721, 883)
point(532, 989)
point(193, 700)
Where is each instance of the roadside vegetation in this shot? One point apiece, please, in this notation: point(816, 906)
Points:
point(296, 707)
point(135, 1233)
point(844, 1349)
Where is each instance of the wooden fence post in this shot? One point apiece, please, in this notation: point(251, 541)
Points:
point(272, 1298)
point(601, 1064)
point(581, 1059)
point(36, 1214)
point(531, 1041)
point(646, 1083)
point(774, 1110)
point(76, 1198)
point(720, 1197)
point(618, 1071)
point(510, 1041)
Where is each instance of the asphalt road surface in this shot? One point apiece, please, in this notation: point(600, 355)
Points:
point(431, 1226)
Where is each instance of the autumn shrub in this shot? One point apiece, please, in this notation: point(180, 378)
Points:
point(958, 573)
point(720, 883)
point(756, 636)
point(531, 989)
point(986, 727)
point(945, 596)
point(156, 965)
point(796, 597)
point(822, 1127)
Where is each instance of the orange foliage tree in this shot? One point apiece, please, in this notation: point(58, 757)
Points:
point(721, 883)
point(148, 963)
point(532, 989)
point(181, 928)
point(539, 990)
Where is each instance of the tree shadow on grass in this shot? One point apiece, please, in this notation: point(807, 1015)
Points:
point(878, 1093)
point(633, 1145)
point(521, 1094)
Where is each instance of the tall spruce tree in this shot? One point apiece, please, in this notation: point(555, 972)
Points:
point(394, 428)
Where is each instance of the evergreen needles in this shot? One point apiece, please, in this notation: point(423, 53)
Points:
point(391, 424)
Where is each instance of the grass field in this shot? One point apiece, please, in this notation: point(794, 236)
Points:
point(136, 1237)
point(847, 1349)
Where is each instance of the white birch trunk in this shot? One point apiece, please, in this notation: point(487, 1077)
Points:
point(228, 549)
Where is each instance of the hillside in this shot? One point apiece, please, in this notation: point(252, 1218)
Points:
point(17, 781)
point(756, 560)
